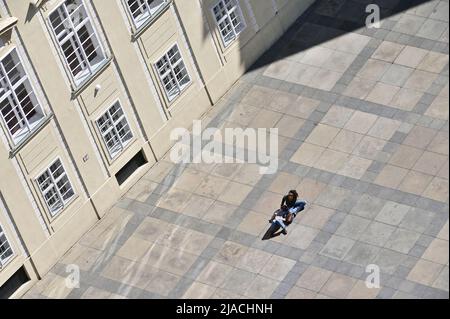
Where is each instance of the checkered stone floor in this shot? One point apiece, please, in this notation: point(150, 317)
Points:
point(363, 122)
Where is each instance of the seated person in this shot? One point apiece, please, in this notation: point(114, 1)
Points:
point(294, 205)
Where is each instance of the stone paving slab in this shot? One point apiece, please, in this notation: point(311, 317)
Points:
point(363, 122)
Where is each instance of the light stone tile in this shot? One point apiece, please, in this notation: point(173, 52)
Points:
point(338, 286)
point(174, 200)
point(267, 203)
point(355, 167)
point(373, 70)
point(253, 260)
point(389, 260)
point(361, 291)
point(443, 234)
point(353, 227)
point(337, 116)
point(411, 56)
point(314, 278)
point(362, 254)
point(254, 224)
point(308, 154)
point(279, 69)
point(325, 79)
point(439, 108)
point(322, 135)
point(361, 122)
point(288, 126)
point(368, 206)
point(277, 267)
point(212, 187)
point(369, 147)
point(417, 219)
point(383, 93)
point(425, 272)
point(301, 236)
point(420, 80)
point(134, 248)
point(392, 213)
point(162, 283)
point(345, 141)
point(257, 96)
point(405, 156)
point(359, 88)
point(332, 197)
point(197, 206)
point(230, 253)
point(199, 291)
point(219, 213)
point(433, 62)
point(437, 252)
point(415, 182)
point(82, 256)
point(248, 174)
point(302, 108)
point(238, 281)
point(406, 99)
point(377, 234)
point(442, 281)
point(337, 247)
point(384, 128)
point(409, 24)
point(440, 143)
point(339, 61)
point(315, 216)
point(316, 56)
point(391, 176)
point(283, 183)
point(261, 288)
point(402, 240)
point(300, 293)
point(214, 274)
point(432, 29)
point(331, 161)
point(397, 75)
point(430, 163)
point(387, 51)
point(310, 189)
point(235, 193)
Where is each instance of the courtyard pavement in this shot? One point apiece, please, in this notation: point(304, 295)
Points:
point(363, 122)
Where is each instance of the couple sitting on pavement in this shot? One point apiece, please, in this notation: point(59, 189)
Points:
point(290, 207)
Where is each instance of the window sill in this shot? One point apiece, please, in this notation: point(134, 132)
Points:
point(136, 33)
point(16, 149)
point(83, 85)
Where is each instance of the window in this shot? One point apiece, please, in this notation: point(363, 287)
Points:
point(77, 39)
point(142, 10)
point(5, 248)
point(173, 73)
point(55, 187)
point(229, 19)
point(115, 130)
point(19, 106)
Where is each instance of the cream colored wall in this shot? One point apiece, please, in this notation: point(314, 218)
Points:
point(132, 79)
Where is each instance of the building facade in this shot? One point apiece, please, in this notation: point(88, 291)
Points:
point(89, 93)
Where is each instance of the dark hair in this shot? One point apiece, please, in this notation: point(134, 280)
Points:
point(293, 192)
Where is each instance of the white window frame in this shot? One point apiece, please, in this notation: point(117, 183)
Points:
point(113, 128)
point(87, 70)
point(5, 261)
point(237, 10)
point(64, 202)
point(171, 72)
point(147, 12)
point(28, 126)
